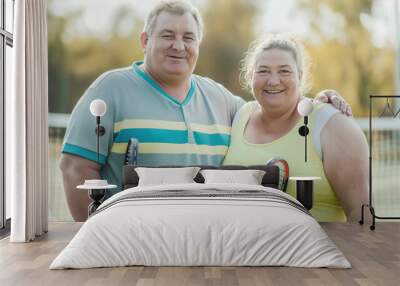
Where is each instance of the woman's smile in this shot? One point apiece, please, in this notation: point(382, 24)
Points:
point(274, 92)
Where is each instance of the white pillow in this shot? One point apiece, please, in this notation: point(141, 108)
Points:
point(248, 177)
point(166, 176)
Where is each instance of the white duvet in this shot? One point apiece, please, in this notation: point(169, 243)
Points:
point(182, 231)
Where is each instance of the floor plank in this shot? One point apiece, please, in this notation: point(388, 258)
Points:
point(374, 255)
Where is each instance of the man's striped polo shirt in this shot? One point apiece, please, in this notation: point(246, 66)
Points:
point(193, 132)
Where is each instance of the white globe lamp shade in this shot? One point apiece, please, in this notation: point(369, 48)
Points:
point(305, 107)
point(98, 107)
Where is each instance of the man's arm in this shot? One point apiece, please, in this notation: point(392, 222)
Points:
point(345, 153)
point(75, 170)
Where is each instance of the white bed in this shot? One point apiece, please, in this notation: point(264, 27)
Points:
point(224, 225)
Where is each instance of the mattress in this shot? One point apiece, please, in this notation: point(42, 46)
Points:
point(201, 225)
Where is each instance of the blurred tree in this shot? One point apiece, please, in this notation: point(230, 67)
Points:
point(91, 55)
point(346, 59)
point(75, 63)
point(57, 62)
point(229, 28)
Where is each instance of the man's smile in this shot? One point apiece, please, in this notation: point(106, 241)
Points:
point(175, 57)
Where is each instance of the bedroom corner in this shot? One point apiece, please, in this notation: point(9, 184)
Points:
point(125, 159)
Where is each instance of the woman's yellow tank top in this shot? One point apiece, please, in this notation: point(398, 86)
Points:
point(326, 206)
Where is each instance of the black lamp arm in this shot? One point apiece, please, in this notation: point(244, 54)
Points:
point(303, 131)
point(100, 131)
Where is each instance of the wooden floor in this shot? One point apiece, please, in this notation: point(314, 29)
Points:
point(374, 255)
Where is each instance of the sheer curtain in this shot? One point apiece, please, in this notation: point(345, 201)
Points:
point(26, 120)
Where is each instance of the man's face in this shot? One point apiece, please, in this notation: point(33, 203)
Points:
point(172, 50)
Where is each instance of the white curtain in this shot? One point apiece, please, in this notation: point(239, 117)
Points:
point(26, 119)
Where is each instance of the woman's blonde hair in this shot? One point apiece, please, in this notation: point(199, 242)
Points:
point(278, 41)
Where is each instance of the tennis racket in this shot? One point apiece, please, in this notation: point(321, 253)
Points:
point(283, 171)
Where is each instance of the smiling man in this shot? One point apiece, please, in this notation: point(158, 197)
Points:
point(179, 118)
point(171, 47)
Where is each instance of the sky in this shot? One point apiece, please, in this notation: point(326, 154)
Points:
point(275, 17)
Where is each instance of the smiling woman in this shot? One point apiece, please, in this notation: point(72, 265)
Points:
point(275, 70)
point(279, 70)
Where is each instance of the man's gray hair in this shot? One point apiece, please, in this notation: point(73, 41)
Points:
point(177, 7)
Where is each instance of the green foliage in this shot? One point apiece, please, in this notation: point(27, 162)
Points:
point(348, 61)
point(57, 63)
point(228, 33)
point(75, 63)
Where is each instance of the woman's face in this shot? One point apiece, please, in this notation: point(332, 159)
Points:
point(276, 80)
